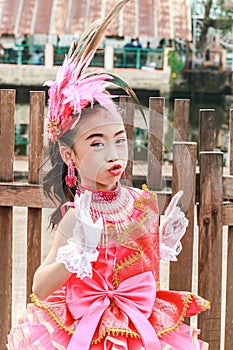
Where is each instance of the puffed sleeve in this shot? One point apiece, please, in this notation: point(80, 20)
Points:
point(67, 223)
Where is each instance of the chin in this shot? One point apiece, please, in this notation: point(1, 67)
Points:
point(108, 184)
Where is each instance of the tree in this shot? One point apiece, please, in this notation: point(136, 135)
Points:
point(215, 13)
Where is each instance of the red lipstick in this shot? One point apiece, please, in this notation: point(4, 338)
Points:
point(115, 170)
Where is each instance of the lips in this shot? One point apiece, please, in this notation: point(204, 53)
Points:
point(115, 170)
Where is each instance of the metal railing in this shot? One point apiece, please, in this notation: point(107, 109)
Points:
point(23, 54)
point(138, 58)
point(122, 57)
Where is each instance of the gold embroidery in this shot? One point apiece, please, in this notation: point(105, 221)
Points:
point(142, 202)
point(50, 313)
point(204, 306)
point(125, 332)
point(132, 227)
point(116, 332)
point(187, 301)
point(145, 188)
point(126, 262)
point(107, 331)
point(153, 194)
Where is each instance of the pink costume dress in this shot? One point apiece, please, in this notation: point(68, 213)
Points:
point(121, 307)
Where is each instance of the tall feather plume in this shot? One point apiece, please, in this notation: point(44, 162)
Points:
point(88, 44)
point(91, 39)
point(85, 49)
point(75, 88)
point(123, 85)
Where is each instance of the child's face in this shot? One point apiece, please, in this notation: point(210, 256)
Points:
point(101, 150)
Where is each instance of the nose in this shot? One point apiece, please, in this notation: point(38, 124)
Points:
point(111, 153)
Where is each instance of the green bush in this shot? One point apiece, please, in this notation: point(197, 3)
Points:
point(175, 62)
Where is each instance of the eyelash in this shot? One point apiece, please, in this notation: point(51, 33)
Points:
point(121, 140)
point(98, 144)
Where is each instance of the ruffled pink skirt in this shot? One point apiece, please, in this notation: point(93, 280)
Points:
point(37, 331)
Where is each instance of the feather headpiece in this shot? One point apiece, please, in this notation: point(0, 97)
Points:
point(75, 88)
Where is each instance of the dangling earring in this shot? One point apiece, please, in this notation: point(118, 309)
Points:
point(123, 174)
point(71, 178)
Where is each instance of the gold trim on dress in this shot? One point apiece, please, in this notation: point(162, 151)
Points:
point(125, 262)
point(132, 227)
point(125, 332)
point(206, 305)
point(115, 332)
point(187, 301)
point(141, 202)
point(107, 331)
point(50, 313)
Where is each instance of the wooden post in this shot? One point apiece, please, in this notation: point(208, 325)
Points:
point(229, 286)
point(206, 129)
point(37, 103)
point(181, 119)
point(210, 244)
point(231, 142)
point(127, 106)
point(155, 142)
point(7, 109)
point(184, 178)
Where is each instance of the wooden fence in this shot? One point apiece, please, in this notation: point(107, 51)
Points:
point(207, 190)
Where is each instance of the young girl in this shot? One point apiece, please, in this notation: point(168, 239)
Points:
point(98, 288)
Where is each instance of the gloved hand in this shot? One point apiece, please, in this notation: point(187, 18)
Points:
point(172, 229)
point(90, 231)
point(81, 250)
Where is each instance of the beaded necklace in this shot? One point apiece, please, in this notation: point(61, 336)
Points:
point(110, 205)
point(115, 207)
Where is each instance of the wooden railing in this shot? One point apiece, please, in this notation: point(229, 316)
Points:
point(207, 191)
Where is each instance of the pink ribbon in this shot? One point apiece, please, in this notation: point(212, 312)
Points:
point(88, 298)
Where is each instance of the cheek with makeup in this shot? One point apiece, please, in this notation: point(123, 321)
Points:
point(101, 161)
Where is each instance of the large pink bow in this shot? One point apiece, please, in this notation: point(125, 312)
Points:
point(88, 298)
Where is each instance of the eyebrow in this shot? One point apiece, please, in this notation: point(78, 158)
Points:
point(102, 135)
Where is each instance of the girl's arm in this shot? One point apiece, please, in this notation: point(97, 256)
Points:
point(73, 255)
point(51, 274)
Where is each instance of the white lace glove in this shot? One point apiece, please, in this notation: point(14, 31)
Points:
point(172, 229)
point(81, 250)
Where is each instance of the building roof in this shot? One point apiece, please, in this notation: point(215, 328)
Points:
point(152, 18)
